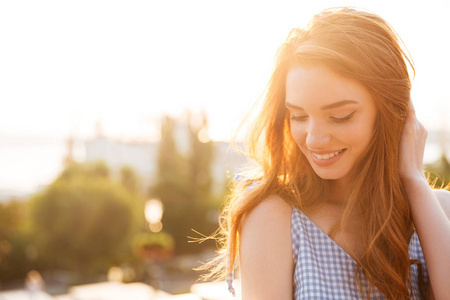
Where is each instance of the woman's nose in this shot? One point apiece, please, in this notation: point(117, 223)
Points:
point(317, 136)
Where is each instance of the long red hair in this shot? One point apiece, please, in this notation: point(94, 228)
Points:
point(362, 46)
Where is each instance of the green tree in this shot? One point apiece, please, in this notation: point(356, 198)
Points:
point(15, 256)
point(183, 183)
point(170, 183)
point(83, 220)
point(200, 159)
point(129, 179)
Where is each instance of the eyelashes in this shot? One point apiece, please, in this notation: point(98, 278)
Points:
point(341, 120)
point(298, 118)
point(334, 119)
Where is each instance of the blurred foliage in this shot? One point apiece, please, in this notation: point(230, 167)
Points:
point(13, 215)
point(83, 221)
point(89, 219)
point(149, 239)
point(200, 159)
point(129, 179)
point(439, 171)
point(183, 184)
point(15, 255)
point(154, 246)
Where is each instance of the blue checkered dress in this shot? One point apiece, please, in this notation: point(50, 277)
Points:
point(323, 270)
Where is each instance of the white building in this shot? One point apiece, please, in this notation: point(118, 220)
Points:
point(142, 157)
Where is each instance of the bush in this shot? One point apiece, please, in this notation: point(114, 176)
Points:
point(83, 221)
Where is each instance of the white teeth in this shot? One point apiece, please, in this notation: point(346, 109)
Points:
point(327, 156)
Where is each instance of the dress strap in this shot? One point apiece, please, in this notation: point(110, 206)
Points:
point(230, 284)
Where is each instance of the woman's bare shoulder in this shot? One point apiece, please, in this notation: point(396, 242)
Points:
point(272, 205)
point(272, 209)
point(267, 220)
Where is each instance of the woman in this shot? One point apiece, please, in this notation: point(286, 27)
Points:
point(341, 201)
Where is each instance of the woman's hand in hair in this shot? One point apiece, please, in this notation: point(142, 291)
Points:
point(412, 146)
point(430, 210)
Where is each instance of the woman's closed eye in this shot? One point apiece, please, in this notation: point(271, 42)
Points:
point(298, 118)
point(343, 119)
point(302, 118)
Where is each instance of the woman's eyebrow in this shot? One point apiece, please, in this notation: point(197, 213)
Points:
point(325, 107)
point(338, 104)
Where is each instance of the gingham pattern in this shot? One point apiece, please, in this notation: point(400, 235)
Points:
point(323, 270)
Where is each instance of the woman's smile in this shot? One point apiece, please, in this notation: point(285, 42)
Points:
point(326, 158)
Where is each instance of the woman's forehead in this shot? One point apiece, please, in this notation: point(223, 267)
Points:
point(320, 86)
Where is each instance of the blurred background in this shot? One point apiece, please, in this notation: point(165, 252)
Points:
point(115, 124)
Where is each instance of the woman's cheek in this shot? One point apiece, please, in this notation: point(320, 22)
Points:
point(298, 133)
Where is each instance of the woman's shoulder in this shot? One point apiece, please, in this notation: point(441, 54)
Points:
point(443, 197)
point(272, 209)
point(269, 221)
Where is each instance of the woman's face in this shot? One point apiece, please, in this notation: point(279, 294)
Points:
point(332, 118)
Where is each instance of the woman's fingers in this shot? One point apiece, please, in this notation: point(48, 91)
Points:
point(412, 145)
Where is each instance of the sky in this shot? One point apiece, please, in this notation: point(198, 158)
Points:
point(66, 66)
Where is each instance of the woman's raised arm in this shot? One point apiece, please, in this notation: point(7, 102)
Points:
point(430, 209)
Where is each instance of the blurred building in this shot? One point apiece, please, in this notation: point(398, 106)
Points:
point(142, 158)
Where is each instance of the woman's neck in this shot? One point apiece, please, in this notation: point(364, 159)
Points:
point(338, 191)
